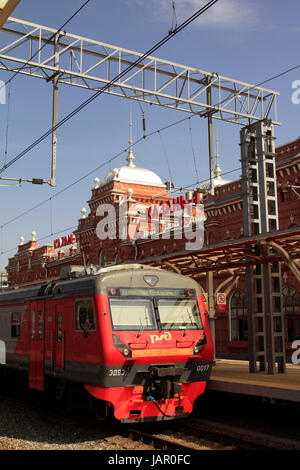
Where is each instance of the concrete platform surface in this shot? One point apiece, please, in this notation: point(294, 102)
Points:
point(234, 376)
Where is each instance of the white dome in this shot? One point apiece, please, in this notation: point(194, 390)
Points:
point(131, 174)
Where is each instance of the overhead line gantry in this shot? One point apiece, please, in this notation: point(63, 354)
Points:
point(86, 63)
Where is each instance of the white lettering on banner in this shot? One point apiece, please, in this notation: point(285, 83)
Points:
point(64, 241)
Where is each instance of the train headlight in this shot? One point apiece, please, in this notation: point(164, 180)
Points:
point(121, 347)
point(126, 352)
point(201, 343)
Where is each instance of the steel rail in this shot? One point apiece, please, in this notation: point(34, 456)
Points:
point(157, 441)
point(240, 436)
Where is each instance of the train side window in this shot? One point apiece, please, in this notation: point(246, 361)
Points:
point(59, 327)
point(32, 325)
point(85, 315)
point(40, 326)
point(15, 324)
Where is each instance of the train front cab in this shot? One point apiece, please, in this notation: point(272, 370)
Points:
point(157, 343)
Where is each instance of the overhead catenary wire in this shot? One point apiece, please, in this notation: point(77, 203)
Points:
point(51, 216)
point(69, 186)
point(7, 123)
point(109, 84)
point(193, 150)
point(166, 156)
point(106, 162)
point(64, 230)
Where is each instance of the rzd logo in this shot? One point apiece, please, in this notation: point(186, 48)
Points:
point(167, 336)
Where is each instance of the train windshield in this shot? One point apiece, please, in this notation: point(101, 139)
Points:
point(179, 314)
point(132, 310)
point(132, 314)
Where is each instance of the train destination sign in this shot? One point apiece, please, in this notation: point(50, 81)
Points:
point(151, 292)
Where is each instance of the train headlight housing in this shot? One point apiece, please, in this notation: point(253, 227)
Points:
point(201, 343)
point(126, 352)
point(121, 347)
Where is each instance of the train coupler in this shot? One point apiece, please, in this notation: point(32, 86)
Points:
point(161, 390)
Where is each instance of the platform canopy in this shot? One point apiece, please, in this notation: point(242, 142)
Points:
point(234, 254)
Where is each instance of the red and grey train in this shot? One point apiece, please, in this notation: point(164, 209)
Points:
point(136, 338)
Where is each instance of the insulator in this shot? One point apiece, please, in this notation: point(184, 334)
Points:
point(37, 181)
point(144, 126)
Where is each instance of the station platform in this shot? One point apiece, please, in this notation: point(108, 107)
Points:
point(234, 376)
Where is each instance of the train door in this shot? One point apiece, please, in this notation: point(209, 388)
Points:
point(36, 355)
point(58, 340)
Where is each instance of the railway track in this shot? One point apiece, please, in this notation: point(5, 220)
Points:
point(239, 437)
point(187, 435)
point(196, 434)
point(158, 442)
point(172, 436)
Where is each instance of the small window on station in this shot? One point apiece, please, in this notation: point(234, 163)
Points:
point(15, 324)
point(117, 259)
point(85, 315)
point(102, 259)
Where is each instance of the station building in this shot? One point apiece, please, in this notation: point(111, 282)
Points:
point(130, 189)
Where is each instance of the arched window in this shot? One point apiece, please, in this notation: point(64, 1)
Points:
point(117, 259)
point(291, 310)
point(102, 259)
point(238, 316)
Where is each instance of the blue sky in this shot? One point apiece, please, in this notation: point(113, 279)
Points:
point(248, 40)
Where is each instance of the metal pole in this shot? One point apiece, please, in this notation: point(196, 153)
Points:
point(55, 113)
point(247, 182)
point(210, 139)
point(265, 317)
point(211, 306)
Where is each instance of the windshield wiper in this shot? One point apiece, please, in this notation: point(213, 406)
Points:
point(140, 330)
point(142, 327)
